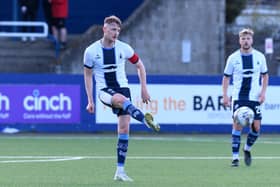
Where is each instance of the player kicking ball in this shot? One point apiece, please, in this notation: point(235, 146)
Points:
point(106, 58)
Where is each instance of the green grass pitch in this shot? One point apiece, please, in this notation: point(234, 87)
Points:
point(152, 161)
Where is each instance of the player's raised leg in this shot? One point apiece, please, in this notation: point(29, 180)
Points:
point(137, 114)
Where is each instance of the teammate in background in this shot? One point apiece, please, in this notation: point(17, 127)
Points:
point(245, 65)
point(106, 58)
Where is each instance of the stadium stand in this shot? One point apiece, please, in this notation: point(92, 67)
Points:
point(40, 56)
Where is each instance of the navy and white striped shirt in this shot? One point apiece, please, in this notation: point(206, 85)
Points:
point(109, 63)
point(246, 70)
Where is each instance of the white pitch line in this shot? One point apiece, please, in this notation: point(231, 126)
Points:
point(38, 160)
point(181, 157)
point(27, 157)
point(23, 159)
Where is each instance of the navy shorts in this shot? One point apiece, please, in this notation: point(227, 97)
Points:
point(113, 91)
point(254, 105)
point(58, 22)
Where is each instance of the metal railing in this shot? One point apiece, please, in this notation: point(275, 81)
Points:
point(37, 24)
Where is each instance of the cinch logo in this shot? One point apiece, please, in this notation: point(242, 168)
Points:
point(53, 103)
point(4, 102)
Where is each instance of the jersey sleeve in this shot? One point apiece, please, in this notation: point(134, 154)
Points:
point(229, 67)
point(88, 60)
point(130, 54)
point(264, 69)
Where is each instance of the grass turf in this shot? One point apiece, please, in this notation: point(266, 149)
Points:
point(152, 161)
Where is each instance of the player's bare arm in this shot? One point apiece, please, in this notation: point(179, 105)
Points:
point(143, 81)
point(225, 84)
point(89, 89)
point(265, 78)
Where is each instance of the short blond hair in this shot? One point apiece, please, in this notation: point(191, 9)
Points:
point(246, 31)
point(113, 19)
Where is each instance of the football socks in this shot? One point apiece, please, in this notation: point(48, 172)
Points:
point(236, 139)
point(133, 111)
point(251, 139)
point(122, 148)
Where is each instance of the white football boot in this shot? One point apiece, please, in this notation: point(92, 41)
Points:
point(122, 176)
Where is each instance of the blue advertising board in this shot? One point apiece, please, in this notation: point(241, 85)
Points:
point(181, 104)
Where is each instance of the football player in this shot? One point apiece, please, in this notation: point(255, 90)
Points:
point(106, 58)
point(246, 65)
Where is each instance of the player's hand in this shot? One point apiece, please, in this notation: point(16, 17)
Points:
point(145, 96)
point(226, 101)
point(146, 101)
point(90, 108)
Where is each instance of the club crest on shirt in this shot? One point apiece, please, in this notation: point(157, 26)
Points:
point(97, 56)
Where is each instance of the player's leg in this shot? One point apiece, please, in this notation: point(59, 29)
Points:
point(235, 144)
point(122, 101)
point(137, 114)
point(251, 139)
point(253, 133)
point(235, 137)
point(122, 146)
